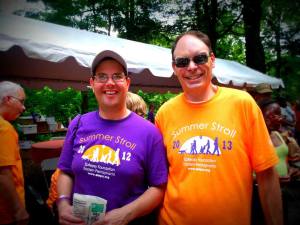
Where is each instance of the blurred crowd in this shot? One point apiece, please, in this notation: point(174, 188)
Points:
point(282, 119)
point(283, 122)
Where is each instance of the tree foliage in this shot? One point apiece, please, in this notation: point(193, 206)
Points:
point(281, 35)
point(66, 104)
point(269, 42)
point(60, 104)
point(155, 99)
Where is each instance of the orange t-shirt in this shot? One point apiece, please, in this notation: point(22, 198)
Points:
point(212, 149)
point(10, 157)
point(53, 195)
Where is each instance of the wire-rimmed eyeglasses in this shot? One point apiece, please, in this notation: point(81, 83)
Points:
point(103, 77)
point(22, 101)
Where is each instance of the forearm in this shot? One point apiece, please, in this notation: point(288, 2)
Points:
point(146, 203)
point(64, 188)
point(270, 196)
point(9, 193)
point(64, 184)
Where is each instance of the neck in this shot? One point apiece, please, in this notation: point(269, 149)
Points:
point(203, 96)
point(114, 114)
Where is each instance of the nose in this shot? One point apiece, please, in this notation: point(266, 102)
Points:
point(110, 81)
point(192, 65)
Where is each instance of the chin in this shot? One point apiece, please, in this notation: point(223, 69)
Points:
point(194, 86)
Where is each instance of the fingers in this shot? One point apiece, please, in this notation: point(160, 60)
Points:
point(69, 219)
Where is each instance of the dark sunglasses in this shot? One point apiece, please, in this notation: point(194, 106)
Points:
point(182, 62)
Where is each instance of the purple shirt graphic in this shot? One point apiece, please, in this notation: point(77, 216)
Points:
point(115, 160)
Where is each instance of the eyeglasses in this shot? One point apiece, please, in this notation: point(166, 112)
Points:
point(182, 62)
point(22, 101)
point(103, 78)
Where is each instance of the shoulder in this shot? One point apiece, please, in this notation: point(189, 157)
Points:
point(139, 121)
point(171, 103)
point(4, 123)
point(142, 124)
point(5, 126)
point(88, 115)
point(85, 116)
point(235, 93)
point(79, 119)
point(236, 97)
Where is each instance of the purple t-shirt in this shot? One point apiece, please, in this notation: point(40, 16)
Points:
point(115, 160)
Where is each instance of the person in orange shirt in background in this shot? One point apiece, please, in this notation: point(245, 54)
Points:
point(12, 195)
point(215, 138)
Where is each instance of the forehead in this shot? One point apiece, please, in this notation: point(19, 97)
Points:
point(190, 45)
point(109, 66)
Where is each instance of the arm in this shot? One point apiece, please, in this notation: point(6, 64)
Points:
point(64, 187)
point(270, 196)
point(9, 193)
point(143, 205)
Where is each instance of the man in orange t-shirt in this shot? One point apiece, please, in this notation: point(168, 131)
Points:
point(12, 199)
point(215, 138)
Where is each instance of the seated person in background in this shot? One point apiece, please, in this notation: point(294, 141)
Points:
point(272, 115)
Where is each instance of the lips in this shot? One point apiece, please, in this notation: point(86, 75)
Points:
point(193, 77)
point(110, 92)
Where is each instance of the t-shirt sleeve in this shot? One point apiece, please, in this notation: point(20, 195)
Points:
point(263, 154)
point(66, 157)
point(157, 161)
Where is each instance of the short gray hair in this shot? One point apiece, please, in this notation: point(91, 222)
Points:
point(8, 88)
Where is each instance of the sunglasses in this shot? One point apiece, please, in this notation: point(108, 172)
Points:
point(182, 62)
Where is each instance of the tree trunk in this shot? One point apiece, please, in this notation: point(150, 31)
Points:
point(210, 10)
point(255, 56)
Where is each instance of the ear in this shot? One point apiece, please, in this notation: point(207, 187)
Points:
point(5, 99)
point(128, 81)
point(92, 83)
point(174, 68)
point(213, 59)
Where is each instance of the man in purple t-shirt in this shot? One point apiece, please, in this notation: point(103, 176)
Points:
point(112, 153)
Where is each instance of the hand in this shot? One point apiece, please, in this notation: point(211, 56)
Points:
point(66, 216)
point(114, 217)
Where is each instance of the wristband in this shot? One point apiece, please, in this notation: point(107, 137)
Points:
point(63, 197)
